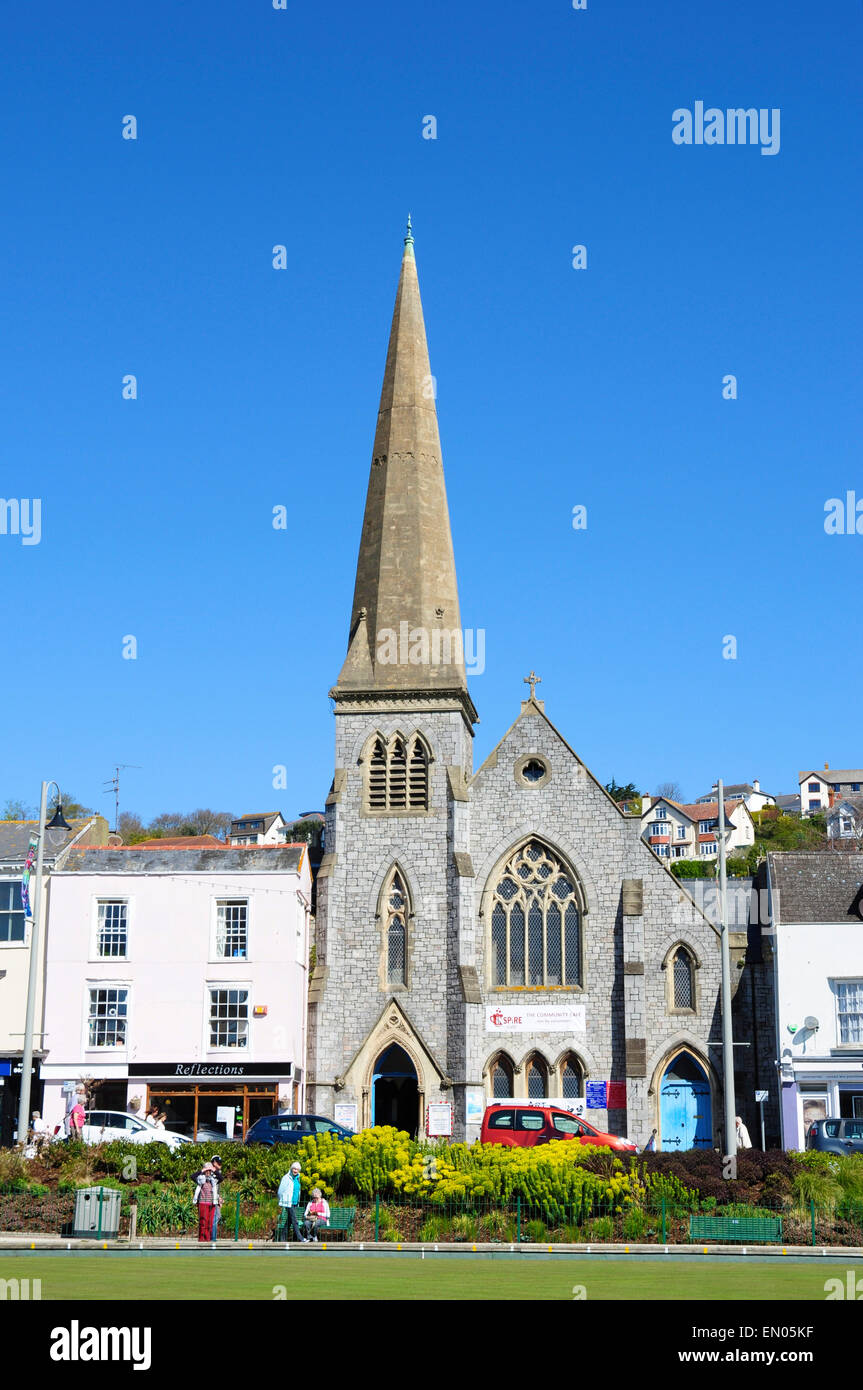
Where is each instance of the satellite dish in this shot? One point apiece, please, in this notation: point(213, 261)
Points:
point(810, 1022)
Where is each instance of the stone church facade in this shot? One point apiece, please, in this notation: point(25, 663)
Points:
point(491, 934)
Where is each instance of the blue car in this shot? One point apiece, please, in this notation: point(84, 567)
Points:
point(290, 1129)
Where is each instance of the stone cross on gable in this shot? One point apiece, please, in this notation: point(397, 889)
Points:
point(532, 680)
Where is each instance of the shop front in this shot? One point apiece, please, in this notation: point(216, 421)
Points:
point(211, 1101)
point(10, 1094)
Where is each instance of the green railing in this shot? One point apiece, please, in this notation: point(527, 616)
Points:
point(658, 1218)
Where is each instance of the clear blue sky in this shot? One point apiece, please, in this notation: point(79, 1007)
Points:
point(556, 387)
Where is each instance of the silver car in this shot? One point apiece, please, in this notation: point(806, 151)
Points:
point(103, 1126)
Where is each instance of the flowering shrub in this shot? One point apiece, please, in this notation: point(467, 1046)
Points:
point(553, 1178)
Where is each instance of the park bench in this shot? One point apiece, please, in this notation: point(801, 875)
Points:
point(341, 1223)
point(740, 1229)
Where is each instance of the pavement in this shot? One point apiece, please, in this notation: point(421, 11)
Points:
point(47, 1243)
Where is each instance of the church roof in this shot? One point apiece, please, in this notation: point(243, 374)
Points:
point(405, 631)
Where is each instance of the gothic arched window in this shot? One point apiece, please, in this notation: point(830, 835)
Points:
point(396, 908)
point(537, 1078)
point(681, 966)
point(398, 774)
point(501, 1077)
point(683, 980)
point(535, 922)
point(571, 1077)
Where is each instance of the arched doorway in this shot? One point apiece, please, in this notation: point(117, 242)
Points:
point(395, 1092)
point(686, 1117)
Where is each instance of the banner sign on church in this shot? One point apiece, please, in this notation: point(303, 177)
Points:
point(536, 1018)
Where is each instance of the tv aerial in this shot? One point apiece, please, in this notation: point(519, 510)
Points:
point(114, 786)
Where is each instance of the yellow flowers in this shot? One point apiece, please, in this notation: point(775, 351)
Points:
point(560, 1179)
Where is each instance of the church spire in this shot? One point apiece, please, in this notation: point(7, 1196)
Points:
point(405, 633)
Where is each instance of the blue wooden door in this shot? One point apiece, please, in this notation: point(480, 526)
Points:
point(702, 1116)
point(685, 1112)
point(674, 1115)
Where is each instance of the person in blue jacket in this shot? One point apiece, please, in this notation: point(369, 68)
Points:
point(289, 1201)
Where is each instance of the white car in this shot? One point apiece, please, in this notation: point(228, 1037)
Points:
point(103, 1126)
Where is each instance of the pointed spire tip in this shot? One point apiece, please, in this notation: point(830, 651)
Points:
point(409, 240)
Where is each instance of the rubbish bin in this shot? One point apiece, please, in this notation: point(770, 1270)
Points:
point(97, 1212)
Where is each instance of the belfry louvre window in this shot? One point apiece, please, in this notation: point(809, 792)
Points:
point(399, 774)
point(535, 922)
point(396, 930)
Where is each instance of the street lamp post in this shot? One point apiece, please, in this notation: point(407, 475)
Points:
point(58, 822)
point(727, 1035)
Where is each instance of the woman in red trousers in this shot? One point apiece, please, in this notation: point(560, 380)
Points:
point(204, 1199)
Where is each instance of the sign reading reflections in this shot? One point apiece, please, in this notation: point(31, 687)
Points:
point(210, 1071)
point(536, 1018)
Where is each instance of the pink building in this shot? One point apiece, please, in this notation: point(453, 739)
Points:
point(178, 977)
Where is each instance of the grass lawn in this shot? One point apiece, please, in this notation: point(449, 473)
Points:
point(374, 1277)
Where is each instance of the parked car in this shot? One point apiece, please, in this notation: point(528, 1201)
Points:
point(836, 1136)
point(524, 1126)
point(290, 1129)
point(103, 1126)
point(215, 1134)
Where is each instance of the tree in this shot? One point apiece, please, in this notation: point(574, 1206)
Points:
point(132, 828)
point(618, 793)
point(207, 822)
point(72, 808)
point(671, 791)
point(14, 809)
point(168, 823)
point(200, 822)
point(628, 796)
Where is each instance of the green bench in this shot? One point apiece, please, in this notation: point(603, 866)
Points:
point(742, 1230)
point(341, 1223)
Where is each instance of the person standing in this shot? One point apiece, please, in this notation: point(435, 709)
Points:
point(76, 1119)
point(204, 1200)
point(743, 1140)
point(217, 1200)
point(289, 1201)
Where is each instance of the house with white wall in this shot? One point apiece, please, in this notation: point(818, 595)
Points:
point(819, 790)
point(844, 823)
point(815, 919)
point(258, 828)
point(178, 977)
point(677, 831)
point(16, 838)
point(748, 792)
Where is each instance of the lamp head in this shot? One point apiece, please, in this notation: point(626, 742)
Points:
point(58, 820)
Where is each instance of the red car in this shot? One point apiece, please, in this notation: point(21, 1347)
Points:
point(526, 1125)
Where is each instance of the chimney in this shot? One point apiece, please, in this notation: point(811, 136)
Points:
point(645, 803)
point(826, 767)
point(756, 785)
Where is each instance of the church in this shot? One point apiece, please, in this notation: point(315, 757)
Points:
point(493, 934)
